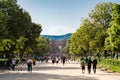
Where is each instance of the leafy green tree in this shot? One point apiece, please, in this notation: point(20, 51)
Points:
point(91, 35)
point(31, 35)
point(101, 17)
point(43, 45)
point(112, 42)
point(3, 25)
point(17, 29)
point(97, 38)
point(16, 22)
point(79, 41)
point(101, 14)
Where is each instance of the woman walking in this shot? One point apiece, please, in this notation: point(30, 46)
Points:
point(83, 65)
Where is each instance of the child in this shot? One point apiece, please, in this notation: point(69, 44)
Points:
point(19, 65)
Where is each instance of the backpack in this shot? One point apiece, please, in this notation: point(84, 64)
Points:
point(82, 62)
point(30, 63)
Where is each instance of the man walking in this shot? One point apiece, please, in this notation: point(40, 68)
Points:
point(29, 64)
point(13, 64)
point(89, 65)
point(94, 65)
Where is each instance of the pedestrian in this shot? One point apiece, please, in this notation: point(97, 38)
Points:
point(19, 65)
point(86, 59)
point(57, 60)
point(63, 60)
point(89, 65)
point(82, 62)
point(13, 64)
point(34, 62)
point(29, 64)
point(53, 59)
point(94, 64)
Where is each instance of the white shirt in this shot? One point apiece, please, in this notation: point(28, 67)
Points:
point(13, 61)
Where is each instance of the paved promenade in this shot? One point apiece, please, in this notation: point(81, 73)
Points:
point(47, 71)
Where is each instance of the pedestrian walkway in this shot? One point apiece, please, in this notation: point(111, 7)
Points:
point(47, 71)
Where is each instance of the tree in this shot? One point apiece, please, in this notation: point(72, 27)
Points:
point(101, 14)
point(43, 45)
point(3, 25)
point(18, 31)
point(79, 41)
point(91, 35)
point(31, 35)
point(112, 42)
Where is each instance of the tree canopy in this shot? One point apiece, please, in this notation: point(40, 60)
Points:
point(18, 33)
point(90, 37)
point(112, 41)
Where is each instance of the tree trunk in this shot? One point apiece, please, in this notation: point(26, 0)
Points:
point(117, 55)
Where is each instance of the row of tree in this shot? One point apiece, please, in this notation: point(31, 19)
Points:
point(18, 34)
point(99, 33)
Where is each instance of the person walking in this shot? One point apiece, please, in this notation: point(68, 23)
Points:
point(29, 64)
point(19, 65)
point(57, 60)
point(53, 59)
point(94, 65)
point(34, 62)
point(89, 65)
point(63, 60)
point(13, 64)
point(82, 62)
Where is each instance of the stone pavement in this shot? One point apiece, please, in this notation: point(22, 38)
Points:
point(47, 71)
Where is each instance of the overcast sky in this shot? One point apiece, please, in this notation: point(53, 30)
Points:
point(59, 17)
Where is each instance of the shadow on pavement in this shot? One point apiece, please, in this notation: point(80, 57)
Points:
point(41, 67)
point(54, 68)
point(41, 76)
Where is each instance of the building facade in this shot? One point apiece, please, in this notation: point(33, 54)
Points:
point(57, 47)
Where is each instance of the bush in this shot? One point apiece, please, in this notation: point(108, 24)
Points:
point(2, 63)
point(114, 64)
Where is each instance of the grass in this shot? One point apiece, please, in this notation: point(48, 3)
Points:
point(113, 64)
point(3, 59)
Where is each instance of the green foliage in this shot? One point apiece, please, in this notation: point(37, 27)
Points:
point(18, 33)
point(113, 64)
point(101, 14)
point(3, 25)
point(19, 45)
point(6, 44)
point(91, 34)
point(112, 42)
point(97, 37)
point(31, 35)
point(43, 45)
point(2, 64)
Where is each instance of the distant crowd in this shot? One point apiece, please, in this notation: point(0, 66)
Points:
point(85, 62)
point(14, 64)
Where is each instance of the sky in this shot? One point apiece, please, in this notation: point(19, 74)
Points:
point(59, 17)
